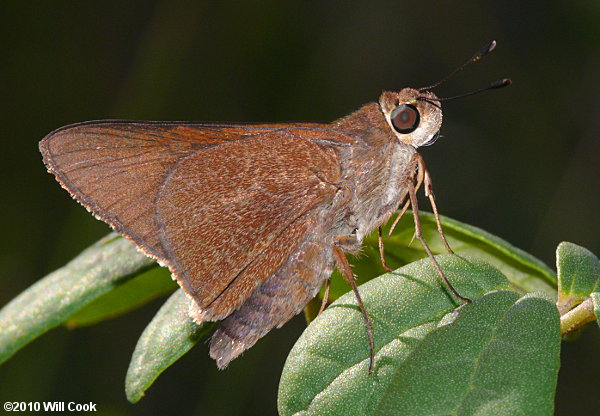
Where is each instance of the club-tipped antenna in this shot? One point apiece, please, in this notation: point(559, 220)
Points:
point(478, 55)
point(501, 83)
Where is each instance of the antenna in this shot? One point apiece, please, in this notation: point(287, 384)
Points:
point(501, 83)
point(478, 55)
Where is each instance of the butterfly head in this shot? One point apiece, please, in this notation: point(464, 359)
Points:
point(414, 116)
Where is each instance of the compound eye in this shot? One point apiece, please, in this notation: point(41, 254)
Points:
point(405, 118)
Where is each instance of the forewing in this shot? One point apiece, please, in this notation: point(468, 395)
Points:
point(231, 215)
point(237, 186)
point(116, 168)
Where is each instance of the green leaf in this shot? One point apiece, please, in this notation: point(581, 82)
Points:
point(499, 357)
point(50, 301)
point(525, 272)
point(326, 370)
point(130, 295)
point(170, 334)
point(578, 275)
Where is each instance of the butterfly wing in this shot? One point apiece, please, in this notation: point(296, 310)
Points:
point(281, 296)
point(221, 205)
point(115, 169)
point(248, 205)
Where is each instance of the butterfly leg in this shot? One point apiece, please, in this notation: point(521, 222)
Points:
point(381, 250)
point(414, 164)
point(419, 235)
point(344, 266)
point(429, 194)
point(419, 178)
point(325, 296)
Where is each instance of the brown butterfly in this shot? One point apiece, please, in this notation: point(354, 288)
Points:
point(251, 219)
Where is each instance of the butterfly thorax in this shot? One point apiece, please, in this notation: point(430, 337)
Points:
point(374, 171)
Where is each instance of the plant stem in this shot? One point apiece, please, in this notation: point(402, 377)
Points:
point(577, 317)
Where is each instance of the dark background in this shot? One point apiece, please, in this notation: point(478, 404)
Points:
point(521, 162)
